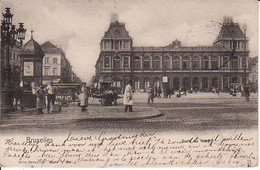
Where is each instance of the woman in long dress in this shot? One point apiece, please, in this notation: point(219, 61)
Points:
point(84, 97)
point(128, 97)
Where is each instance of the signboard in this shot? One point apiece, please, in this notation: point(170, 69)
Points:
point(28, 69)
point(165, 79)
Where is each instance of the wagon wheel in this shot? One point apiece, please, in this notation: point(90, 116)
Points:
point(65, 103)
point(103, 102)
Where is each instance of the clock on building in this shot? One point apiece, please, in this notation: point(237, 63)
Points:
point(117, 31)
point(28, 68)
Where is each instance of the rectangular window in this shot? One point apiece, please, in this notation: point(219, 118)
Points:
point(55, 61)
point(46, 71)
point(55, 71)
point(47, 60)
point(116, 45)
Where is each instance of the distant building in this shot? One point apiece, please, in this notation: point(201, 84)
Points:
point(201, 67)
point(253, 75)
point(56, 67)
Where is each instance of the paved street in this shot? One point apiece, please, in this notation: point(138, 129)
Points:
point(202, 111)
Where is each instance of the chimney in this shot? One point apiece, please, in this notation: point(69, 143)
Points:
point(113, 17)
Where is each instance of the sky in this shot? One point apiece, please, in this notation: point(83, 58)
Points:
point(77, 26)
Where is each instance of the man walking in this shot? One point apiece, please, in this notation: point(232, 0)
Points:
point(50, 95)
point(247, 93)
point(128, 97)
point(150, 94)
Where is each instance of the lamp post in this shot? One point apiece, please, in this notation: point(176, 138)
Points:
point(244, 83)
point(9, 35)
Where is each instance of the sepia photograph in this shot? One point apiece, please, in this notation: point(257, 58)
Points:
point(129, 83)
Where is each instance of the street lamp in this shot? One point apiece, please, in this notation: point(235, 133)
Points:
point(244, 84)
point(9, 34)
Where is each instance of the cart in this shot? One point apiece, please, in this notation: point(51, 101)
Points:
point(105, 94)
point(67, 93)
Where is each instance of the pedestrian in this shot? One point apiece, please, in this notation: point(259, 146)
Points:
point(50, 96)
point(172, 91)
point(39, 93)
point(217, 91)
point(84, 97)
point(18, 95)
point(149, 91)
point(168, 91)
point(154, 91)
point(159, 91)
point(128, 97)
point(184, 89)
point(247, 93)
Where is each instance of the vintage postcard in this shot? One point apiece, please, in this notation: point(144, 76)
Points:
point(129, 83)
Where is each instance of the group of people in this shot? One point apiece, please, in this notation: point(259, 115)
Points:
point(41, 93)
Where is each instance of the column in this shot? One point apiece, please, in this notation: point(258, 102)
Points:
point(161, 62)
point(200, 57)
point(181, 62)
point(229, 64)
point(219, 61)
point(190, 62)
point(170, 62)
point(141, 62)
point(221, 82)
point(210, 58)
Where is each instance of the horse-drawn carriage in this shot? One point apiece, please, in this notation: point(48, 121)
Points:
point(67, 93)
point(105, 93)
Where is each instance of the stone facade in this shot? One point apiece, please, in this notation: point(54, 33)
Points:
point(202, 67)
point(56, 67)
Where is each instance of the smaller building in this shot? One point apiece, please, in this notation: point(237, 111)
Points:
point(56, 66)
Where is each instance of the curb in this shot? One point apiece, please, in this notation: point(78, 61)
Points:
point(66, 121)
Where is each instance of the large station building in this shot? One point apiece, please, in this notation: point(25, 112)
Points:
point(220, 65)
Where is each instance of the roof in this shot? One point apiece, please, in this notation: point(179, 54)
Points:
point(230, 30)
point(116, 30)
point(48, 47)
point(32, 47)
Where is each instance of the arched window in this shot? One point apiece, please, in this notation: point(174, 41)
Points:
point(116, 62)
point(137, 84)
point(146, 83)
point(195, 63)
point(166, 62)
point(205, 62)
point(214, 63)
point(186, 63)
point(225, 61)
point(176, 63)
point(147, 62)
point(235, 62)
point(156, 62)
point(107, 62)
point(137, 62)
point(126, 62)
